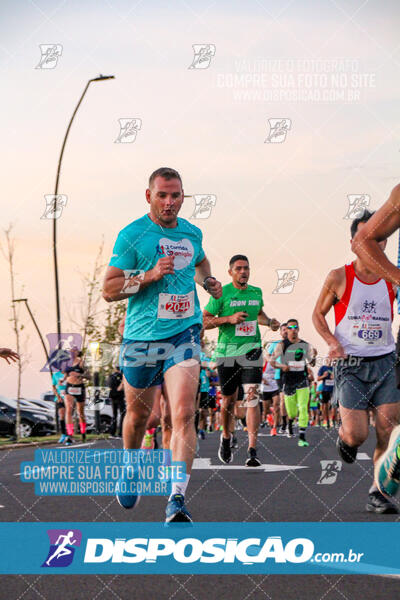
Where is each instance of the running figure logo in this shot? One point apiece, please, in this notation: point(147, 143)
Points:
point(50, 54)
point(203, 205)
point(357, 204)
point(54, 206)
point(133, 278)
point(62, 547)
point(330, 470)
point(286, 281)
point(278, 129)
point(203, 53)
point(128, 129)
point(60, 353)
point(97, 396)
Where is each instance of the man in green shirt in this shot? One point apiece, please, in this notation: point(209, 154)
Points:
point(238, 314)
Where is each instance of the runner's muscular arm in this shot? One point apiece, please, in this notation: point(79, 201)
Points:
point(323, 376)
point(114, 279)
point(332, 289)
point(203, 270)
point(262, 319)
point(57, 395)
point(210, 321)
point(277, 353)
point(380, 226)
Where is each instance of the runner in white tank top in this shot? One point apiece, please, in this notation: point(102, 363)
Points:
point(270, 394)
point(364, 346)
point(364, 316)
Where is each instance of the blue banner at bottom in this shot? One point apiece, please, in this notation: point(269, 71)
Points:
point(200, 548)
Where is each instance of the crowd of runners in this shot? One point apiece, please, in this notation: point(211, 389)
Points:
point(168, 381)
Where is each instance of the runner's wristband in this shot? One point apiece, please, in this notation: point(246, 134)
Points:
point(205, 286)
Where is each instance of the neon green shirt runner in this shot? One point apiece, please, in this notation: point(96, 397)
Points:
point(313, 398)
point(237, 340)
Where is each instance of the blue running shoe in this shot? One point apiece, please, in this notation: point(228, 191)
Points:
point(124, 499)
point(387, 468)
point(176, 511)
point(62, 439)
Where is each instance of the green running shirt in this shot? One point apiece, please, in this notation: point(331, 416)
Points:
point(237, 340)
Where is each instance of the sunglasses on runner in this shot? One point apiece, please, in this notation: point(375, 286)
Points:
point(292, 326)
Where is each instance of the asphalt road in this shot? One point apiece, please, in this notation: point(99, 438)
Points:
point(274, 492)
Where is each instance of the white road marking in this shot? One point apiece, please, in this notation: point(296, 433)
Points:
point(363, 456)
point(72, 446)
point(205, 463)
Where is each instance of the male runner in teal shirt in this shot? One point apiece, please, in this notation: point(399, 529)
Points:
point(156, 262)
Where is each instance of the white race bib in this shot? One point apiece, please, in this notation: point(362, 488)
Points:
point(246, 328)
point(175, 306)
point(370, 334)
point(329, 382)
point(74, 391)
point(296, 365)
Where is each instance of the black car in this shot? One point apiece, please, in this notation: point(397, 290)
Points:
point(32, 422)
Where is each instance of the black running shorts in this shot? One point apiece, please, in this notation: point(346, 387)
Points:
point(203, 400)
point(325, 397)
point(77, 391)
point(239, 370)
point(268, 396)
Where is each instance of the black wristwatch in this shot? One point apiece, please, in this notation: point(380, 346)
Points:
point(205, 282)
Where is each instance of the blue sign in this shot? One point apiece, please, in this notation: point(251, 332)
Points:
point(201, 548)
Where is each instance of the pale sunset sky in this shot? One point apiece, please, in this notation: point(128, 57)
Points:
point(334, 68)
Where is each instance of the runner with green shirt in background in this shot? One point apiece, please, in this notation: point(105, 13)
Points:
point(314, 404)
point(238, 314)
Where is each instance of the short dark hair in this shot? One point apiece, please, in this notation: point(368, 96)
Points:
point(363, 218)
point(237, 257)
point(292, 321)
point(165, 172)
point(282, 325)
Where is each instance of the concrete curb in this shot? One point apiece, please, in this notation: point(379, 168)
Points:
point(39, 444)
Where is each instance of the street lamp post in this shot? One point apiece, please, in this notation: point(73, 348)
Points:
point(94, 352)
point(25, 300)
point(99, 78)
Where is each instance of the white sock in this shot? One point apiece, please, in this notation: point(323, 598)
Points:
point(373, 488)
point(179, 487)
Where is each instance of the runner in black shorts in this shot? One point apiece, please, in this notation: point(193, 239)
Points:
point(75, 391)
point(238, 314)
point(270, 393)
point(204, 385)
point(325, 374)
point(212, 400)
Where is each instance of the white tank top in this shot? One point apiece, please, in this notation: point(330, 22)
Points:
point(269, 384)
point(364, 316)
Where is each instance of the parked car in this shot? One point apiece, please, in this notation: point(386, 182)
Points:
point(33, 422)
point(36, 406)
point(48, 406)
